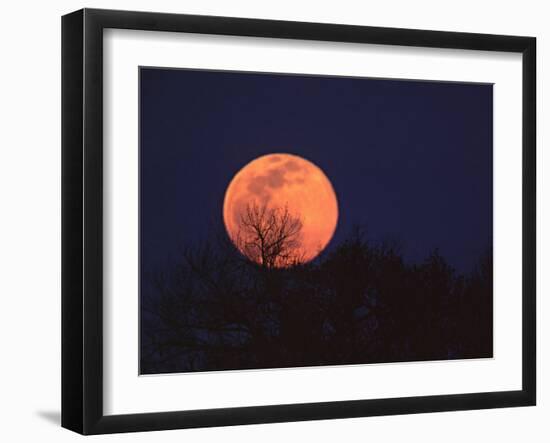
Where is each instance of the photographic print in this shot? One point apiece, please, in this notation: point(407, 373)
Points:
point(292, 220)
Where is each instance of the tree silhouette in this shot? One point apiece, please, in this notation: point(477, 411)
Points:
point(270, 236)
point(361, 303)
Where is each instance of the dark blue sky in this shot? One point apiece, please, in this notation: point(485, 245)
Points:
point(409, 160)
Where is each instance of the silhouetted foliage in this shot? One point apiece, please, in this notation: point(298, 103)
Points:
point(360, 304)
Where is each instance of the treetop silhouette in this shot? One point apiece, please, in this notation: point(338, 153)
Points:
point(270, 236)
point(360, 303)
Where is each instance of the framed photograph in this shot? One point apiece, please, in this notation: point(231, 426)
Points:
point(269, 221)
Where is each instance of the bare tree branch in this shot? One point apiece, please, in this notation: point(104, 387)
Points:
point(270, 237)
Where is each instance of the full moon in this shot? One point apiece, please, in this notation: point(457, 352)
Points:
point(289, 184)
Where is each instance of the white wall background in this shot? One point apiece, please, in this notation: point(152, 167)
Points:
point(30, 218)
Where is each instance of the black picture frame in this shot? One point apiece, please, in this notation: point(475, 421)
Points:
point(82, 218)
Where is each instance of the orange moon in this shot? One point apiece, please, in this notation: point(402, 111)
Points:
point(285, 180)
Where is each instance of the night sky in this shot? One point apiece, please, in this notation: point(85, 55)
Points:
point(409, 160)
